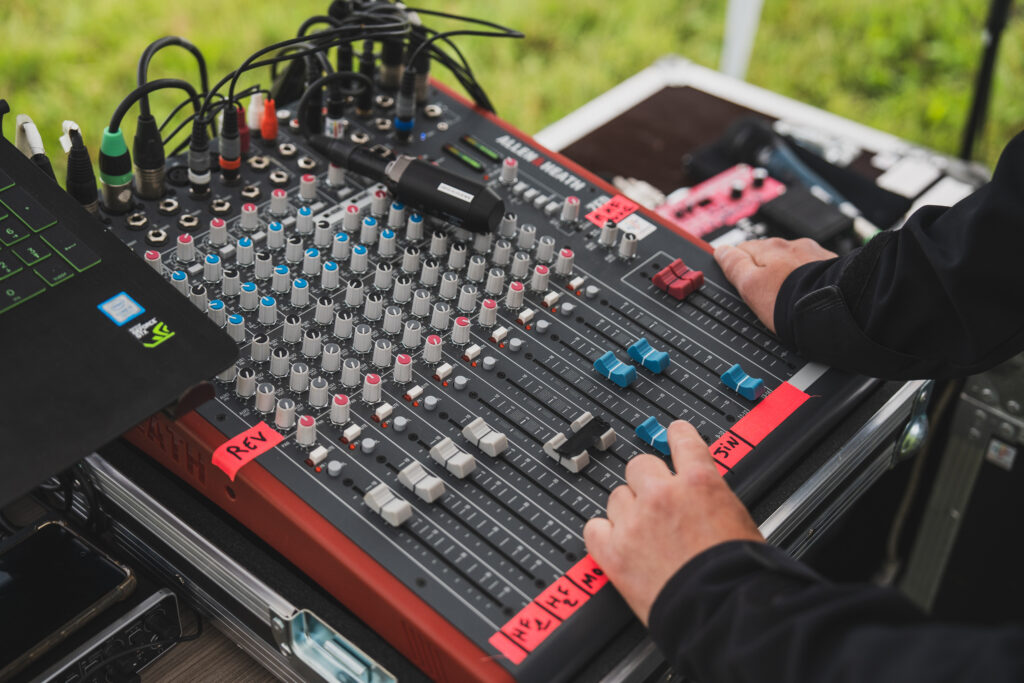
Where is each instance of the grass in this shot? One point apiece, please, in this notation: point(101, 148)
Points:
point(904, 67)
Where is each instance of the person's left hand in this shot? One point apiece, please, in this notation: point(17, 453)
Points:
point(659, 521)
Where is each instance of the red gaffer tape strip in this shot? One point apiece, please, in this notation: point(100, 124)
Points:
point(769, 413)
point(559, 601)
point(242, 449)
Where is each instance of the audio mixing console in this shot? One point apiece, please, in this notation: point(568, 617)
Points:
point(424, 418)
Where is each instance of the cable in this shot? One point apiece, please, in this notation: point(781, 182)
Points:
point(317, 19)
point(461, 32)
point(346, 77)
point(156, 46)
point(99, 666)
point(143, 90)
point(217, 107)
point(994, 26)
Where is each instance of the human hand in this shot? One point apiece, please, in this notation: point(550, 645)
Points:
point(659, 521)
point(758, 268)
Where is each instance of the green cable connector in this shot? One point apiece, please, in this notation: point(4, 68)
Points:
point(115, 162)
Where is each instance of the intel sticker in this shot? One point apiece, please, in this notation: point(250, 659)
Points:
point(121, 308)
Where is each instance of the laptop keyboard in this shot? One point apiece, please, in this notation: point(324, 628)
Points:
point(36, 251)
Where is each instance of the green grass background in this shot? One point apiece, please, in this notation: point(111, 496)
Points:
point(905, 67)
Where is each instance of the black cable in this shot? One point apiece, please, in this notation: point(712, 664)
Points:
point(143, 90)
point(346, 77)
point(361, 33)
point(156, 46)
point(99, 666)
point(217, 106)
point(461, 32)
point(317, 19)
point(994, 26)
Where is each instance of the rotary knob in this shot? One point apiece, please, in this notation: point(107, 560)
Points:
point(249, 219)
point(284, 415)
point(440, 315)
point(432, 349)
point(411, 334)
point(403, 368)
point(330, 361)
point(362, 338)
point(381, 353)
point(392, 320)
point(341, 246)
point(278, 203)
point(275, 235)
point(449, 285)
point(414, 227)
point(368, 230)
point(460, 331)
point(371, 388)
point(382, 276)
point(354, 294)
point(488, 313)
point(307, 188)
point(514, 297)
point(304, 221)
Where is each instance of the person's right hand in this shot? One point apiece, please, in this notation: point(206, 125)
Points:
point(758, 268)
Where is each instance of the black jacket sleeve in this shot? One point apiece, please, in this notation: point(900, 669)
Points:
point(745, 612)
point(942, 297)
